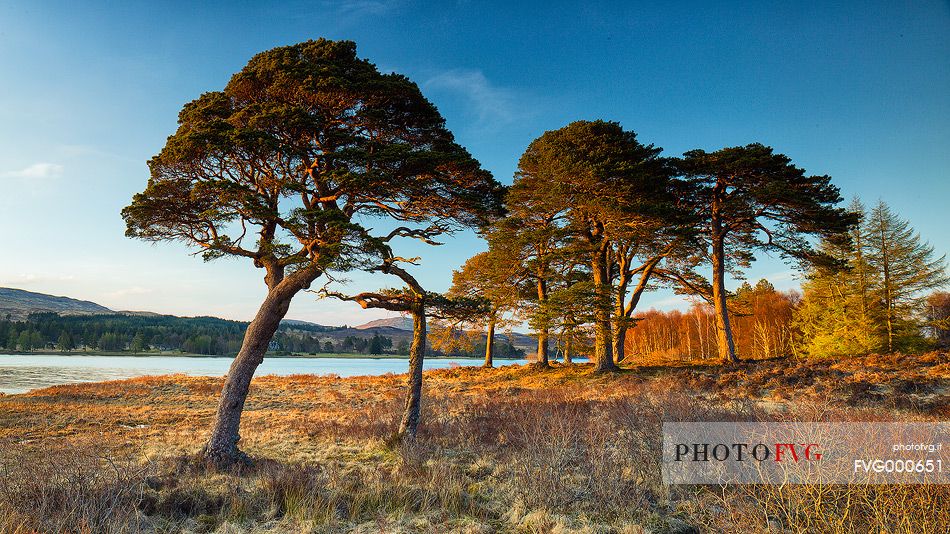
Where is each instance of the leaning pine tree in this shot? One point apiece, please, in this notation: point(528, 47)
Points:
point(285, 166)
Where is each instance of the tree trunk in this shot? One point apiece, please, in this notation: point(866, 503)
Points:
point(410, 418)
point(221, 449)
point(620, 308)
point(623, 311)
point(888, 299)
point(603, 351)
point(567, 348)
point(490, 343)
point(543, 360)
point(619, 337)
point(727, 348)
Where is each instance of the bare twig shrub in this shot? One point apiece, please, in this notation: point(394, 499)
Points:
point(69, 488)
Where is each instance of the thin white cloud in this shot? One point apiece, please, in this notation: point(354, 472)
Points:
point(356, 8)
point(492, 106)
point(341, 12)
point(38, 170)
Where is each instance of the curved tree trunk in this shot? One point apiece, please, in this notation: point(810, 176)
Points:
point(490, 343)
point(222, 447)
point(410, 418)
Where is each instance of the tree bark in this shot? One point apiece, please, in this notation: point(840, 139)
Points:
point(727, 347)
point(222, 449)
point(543, 330)
point(490, 343)
point(410, 418)
point(603, 350)
point(567, 349)
point(619, 336)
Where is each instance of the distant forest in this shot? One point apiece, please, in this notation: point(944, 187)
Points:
point(209, 336)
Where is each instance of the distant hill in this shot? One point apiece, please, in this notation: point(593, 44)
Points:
point(402, 323)
point(18, 304)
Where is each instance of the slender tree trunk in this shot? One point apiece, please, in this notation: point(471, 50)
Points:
point(727, 348)
point(410, 418)
point(222, 447)
point(619, 308)
point(619, 337)
point(490, 343)
point(567, 348)
point(888, 297)
point(543, 330)
point(603, 351)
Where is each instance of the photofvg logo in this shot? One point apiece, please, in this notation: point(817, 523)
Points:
point(742, 452)
point(805, 453)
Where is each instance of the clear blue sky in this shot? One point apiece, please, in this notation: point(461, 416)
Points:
point(89, 91)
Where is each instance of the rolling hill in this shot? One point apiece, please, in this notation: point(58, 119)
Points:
point(401, 323)
point(18, 304)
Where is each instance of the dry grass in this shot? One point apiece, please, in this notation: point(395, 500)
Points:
point(509, 449)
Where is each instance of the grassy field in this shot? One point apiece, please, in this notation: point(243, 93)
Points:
point(514, 449)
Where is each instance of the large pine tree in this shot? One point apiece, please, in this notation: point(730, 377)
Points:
point(287, 166)
point(751, 198)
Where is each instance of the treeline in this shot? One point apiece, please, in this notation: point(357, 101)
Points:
point(119, 332)
point(143, 333)
point(209, 336)
point(303, 343)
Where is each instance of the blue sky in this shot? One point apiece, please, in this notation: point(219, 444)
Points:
point(856, 90)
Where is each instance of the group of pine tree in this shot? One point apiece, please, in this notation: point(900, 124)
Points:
point(311, 163)
point(876, 288)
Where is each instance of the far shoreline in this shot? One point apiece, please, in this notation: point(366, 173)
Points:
point(344, 356)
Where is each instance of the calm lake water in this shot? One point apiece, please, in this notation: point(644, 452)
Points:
point(21, 373)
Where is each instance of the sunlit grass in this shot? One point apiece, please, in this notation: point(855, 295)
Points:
point(507, 449)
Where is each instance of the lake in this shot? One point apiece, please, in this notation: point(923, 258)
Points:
point(21, 373)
